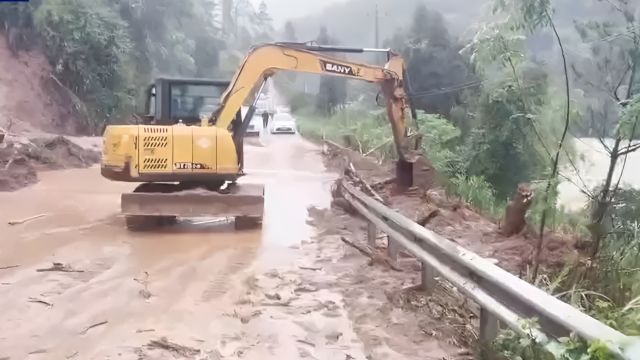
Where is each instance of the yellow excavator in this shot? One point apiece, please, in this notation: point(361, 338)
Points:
point(187, 152)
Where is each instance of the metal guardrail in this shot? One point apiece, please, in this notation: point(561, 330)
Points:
point(504, 299)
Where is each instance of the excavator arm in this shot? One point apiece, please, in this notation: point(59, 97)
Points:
point(264, 61)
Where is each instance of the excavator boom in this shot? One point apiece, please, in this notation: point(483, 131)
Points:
point(264, 61)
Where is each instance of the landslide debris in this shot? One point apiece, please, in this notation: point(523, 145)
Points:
point(22, 157)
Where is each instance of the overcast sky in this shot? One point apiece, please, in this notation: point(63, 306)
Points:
point(283, 10)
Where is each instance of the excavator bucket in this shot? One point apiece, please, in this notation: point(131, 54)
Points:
point(417, 172)
point(245, 203)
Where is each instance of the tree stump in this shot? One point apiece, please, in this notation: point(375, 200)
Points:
point(514, 219)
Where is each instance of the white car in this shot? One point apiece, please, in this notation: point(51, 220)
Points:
point(283, 123)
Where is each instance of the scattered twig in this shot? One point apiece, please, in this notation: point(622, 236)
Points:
point(25, 220)
point(60, 267)
point(39, 351)
point(139, 331)
point(364, 251)
point(8, 267)
point(40, 301)
point(370, 254)
point(312, 268)
point(245, 318)
point(6, 166)
point(306, 342)
point(72, 355)
point(277, 303)
point(92, 326)
point(177, 349)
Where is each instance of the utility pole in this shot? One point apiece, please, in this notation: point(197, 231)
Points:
point(376, 31)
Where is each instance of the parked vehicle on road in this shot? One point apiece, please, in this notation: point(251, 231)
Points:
point(283, 123)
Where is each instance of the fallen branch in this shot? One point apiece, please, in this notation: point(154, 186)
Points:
point(177, 349)
point(60, 267)
point(378, 147)
point(366, 251)
point(306, 342)
point(93, 326)
point(22, 221)
point(40, 301)
point(388, 140)
point(384, 182)
point(336, 145)
point(430, 216)
point(310, 268)
point(8, 267)
point(352, 171)
point(77, 102)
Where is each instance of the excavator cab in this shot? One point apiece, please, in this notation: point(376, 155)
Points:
point(169, 101)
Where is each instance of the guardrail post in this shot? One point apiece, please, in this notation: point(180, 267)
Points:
point(393, 248)
point(489, 327)
point(428, 278)
point(372, 235)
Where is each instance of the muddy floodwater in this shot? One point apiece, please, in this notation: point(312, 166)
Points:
point(123, 288)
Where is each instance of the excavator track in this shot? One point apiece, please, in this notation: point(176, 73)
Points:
point(153, 205)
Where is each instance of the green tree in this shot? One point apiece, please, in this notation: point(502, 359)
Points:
point(290, 32)
point(609, 76)
point(503, 148)
point(332, 92)
point(437, 72)
point(264, 24)
point(86, 44)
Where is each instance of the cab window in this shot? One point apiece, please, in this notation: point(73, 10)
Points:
point(190, 102)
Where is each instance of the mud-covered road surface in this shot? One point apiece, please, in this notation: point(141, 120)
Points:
point(200, 290)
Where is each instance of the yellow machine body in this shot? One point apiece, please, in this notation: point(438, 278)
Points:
point(152, 153)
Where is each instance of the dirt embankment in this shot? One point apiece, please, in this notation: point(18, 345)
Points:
point(375, 291)
point(457, 221)
point(21, 158)
point(34, 105)
point(32, 100)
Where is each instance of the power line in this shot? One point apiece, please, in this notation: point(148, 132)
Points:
point(454, 88)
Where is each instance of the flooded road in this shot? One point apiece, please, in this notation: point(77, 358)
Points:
point(183, 283)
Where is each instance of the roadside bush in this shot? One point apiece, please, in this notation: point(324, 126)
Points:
point(476, 191)
point(86, 44)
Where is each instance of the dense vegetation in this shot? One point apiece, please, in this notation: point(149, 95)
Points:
point(499, 108)
point(106, 51)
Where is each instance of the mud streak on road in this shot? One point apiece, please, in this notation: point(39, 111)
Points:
point(283, 292)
